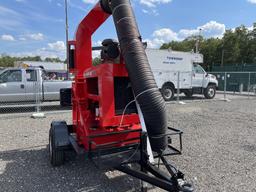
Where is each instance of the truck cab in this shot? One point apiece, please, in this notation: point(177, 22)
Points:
point(203, 82)
point(12, 85)
point(177, 71)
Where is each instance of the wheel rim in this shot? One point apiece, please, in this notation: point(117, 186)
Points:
point(168, 93)
point(211, 92)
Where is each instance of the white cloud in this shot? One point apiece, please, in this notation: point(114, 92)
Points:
point(165, 35)
point(32, 36)
point(150, 11)
point(210, 29)
point(252, 1)
point(39, 52)
point(162, 36)
point(213, 29)
point(53, 50)
point(154, 3)
point(7, 38)
point(81, 8)
point(90, 1)
point(95, 54)
point(57, 46)
point(250, 28)
point(36, 36)
point(97, 43)
point(22, 39)
point(145, 11)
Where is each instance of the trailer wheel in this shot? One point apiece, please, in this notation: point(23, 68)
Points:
point(167, 92)
point(210, 92)
point(56, 155)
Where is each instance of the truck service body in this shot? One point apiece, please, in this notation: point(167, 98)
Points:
point(173, 69)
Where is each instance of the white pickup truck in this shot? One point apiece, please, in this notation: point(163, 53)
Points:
point(175, 69)
point(27, 85)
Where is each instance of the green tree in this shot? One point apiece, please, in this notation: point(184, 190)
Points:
point(54, 60)
point(96, 61)
point(236, 47)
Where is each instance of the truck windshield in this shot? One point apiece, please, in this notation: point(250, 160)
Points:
point(198, 69)
point(11, 76)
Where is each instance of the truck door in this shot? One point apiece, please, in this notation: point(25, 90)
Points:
point(12, 87)
point(198, 75)
point(33, 86)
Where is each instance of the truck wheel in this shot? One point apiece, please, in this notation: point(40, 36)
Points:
point(167, 92)
point(56, 155)
point(188, 93)
point(210, 92)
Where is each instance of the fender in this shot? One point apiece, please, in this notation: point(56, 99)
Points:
point(60, 130)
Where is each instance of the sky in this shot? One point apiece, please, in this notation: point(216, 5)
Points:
point(37, 27)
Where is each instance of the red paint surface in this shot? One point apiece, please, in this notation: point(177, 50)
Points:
point(86, 123)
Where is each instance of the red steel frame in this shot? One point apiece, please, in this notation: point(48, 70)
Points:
point(93, 130)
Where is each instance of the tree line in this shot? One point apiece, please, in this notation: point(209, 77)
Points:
point(8, 61)
point(236, 47)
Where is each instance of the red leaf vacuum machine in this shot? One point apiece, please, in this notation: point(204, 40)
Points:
point(119, 115)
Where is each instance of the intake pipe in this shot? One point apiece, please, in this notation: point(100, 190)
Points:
point(140, 74)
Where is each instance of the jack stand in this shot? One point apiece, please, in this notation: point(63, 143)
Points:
point(173, 182)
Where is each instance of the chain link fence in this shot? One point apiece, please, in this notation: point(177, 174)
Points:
point(230, 83)
point(236, 83)
point(33, 104)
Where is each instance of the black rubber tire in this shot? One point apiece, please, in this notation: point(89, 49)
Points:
point(188, 93)
point(210, 92)
point(57, 156)
point(167, 92)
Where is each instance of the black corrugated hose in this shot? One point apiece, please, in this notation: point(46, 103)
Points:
point(141, 77)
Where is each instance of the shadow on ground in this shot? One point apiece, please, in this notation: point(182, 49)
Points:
point(184, 98)
point(30, 170)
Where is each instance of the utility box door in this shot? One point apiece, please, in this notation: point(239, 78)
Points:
point(166, 65)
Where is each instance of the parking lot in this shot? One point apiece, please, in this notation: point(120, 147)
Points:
point(219, 151)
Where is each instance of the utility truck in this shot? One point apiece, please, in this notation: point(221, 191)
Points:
point(181, 71)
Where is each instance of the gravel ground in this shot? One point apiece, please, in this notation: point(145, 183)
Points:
point(219, 152)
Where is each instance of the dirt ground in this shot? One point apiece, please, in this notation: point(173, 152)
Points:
point(219, 152)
